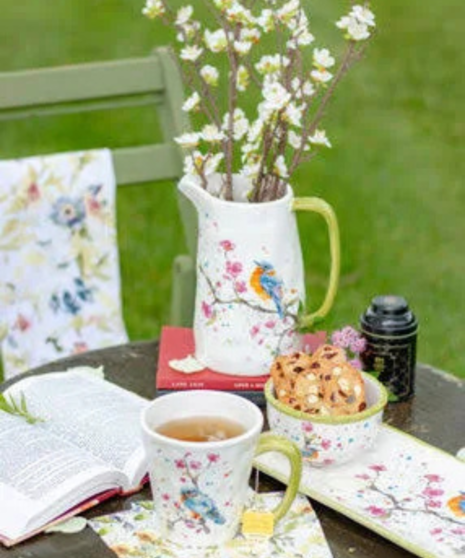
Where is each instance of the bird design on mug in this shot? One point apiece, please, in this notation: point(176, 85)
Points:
point(267, 285)
point(201, 505)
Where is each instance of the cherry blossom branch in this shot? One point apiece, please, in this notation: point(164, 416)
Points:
point(398, 505)
point(312, 125)
point(238, 299)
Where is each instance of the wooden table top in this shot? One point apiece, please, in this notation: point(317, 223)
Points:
point(435, 415)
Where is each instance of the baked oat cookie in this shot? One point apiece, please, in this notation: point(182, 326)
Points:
point(285, 371)
point(344, 390)
point(329, 353)
point(309, 393)
point(321, 384)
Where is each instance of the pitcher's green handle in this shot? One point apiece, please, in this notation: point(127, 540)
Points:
point(323, 208)
point(272, 442)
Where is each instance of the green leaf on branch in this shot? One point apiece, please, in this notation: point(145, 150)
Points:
point(18, 408)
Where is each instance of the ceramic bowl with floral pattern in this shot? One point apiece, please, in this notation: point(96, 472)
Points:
point(326, 440)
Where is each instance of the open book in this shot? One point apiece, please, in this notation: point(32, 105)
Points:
point(85, 447)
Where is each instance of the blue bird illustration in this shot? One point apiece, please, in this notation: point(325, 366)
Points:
point(201, 505)
point(267, 285)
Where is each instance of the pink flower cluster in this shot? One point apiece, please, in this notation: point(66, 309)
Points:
point(351, 341)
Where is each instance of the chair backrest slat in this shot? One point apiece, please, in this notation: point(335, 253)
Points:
point(145, 164)
point(150, 81)
point(113, 103)
point(82, 82)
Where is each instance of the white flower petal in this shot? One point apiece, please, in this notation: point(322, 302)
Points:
point(188, 365)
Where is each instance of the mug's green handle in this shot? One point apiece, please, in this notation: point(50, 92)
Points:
point(272, 442)
point(323, 208)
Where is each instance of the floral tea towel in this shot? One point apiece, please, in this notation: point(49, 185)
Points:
point(59, 269)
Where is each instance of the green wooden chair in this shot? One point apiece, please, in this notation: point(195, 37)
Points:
point(152, 80)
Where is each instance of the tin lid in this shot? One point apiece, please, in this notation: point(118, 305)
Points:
point(388, 315)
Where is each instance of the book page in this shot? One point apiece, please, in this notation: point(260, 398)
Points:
point(42, 476)
point(92, 414)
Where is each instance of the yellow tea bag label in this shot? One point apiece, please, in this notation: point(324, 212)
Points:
point(258, 523)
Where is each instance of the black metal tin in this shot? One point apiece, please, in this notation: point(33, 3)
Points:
point(390, 329)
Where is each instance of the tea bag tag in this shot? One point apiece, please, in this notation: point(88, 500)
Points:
point(256, 522)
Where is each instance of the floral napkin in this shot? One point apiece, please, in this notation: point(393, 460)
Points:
point(134, 533)
point(59, 269)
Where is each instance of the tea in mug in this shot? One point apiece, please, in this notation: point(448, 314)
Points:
point(201, 429)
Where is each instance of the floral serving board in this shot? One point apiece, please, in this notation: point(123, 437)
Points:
point(134, 533)
point(403, 489)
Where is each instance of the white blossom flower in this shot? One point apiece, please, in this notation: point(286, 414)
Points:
point(243, 78)
point(210, 75)
point(192, 102)
point(363, 15)
point(356, 30)
point(192, 165)
point(197, 163)
point(321, 76)
point(304, 38)
point(322, 58)
point(293, 114)
point(288, 11)
point(296, 83)
point(319, 138)
point(153, 9)
point(240, 124)
point(251, 170)
point(212, 134)
point(305, 89)
point(212, 163)
point(266, 20)
point(249, 150)
point(280, 167)
point(215, 40)
point(242, 47)
point(343, 23)
point(299, 28)
point(188, 140)
point(238, 14)
point(188, 31)
point(183, 16)
point(276, 96)
point(255, 131)
point(294, 140)
point(251, 34)
point(191, 53)
point(265, 113)
point(270, 64)
point(308, 90)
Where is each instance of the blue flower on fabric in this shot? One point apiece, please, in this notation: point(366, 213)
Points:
point(70, 302)
point(82, 291)
point(68, 212)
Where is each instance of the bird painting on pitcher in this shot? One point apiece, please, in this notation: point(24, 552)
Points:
point(267, 285)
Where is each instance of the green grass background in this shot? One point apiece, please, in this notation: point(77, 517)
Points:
point(394, 175)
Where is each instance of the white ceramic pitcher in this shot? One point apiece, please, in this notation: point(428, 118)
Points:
point(250, 276)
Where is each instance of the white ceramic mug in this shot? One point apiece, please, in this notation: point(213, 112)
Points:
point(199, 488)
